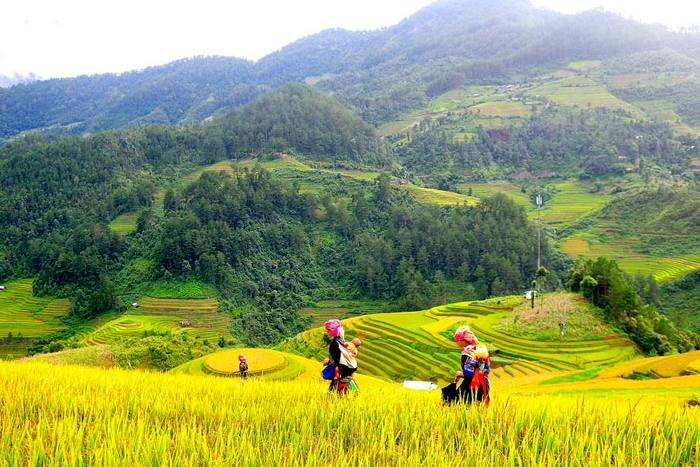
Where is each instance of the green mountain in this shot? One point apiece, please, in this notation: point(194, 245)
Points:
point(354, 130)
point(379, 74)
point(268, 245)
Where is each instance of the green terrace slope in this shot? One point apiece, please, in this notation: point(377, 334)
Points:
point(200, 318)
point(24, 316)
point(418, 345)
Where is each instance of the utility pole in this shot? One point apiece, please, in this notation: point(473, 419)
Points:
point(539, 239)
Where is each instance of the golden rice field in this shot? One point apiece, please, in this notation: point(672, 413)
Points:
point(72, 416)
point(501, 109)
point(431, 195)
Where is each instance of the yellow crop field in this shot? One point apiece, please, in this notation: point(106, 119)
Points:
point(71, 416)
point(501, 109)
point(431, 195)
point(574, 247)
point(226, 362)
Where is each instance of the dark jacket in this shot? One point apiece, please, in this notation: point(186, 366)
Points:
point(334, 358)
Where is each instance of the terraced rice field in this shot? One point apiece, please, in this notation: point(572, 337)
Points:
point(327, 309)
point(581, 91)
point(263, 363)
point(571, 202)
point(657, 367)
point(622, 251)
point(484, 190)
point(417, 345)
point(163, 315)
point(502, 109)
point(23, 314)
point(430, 195)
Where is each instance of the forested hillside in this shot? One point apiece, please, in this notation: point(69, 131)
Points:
point(464, 92)
point(268, 247)
point(572, 142)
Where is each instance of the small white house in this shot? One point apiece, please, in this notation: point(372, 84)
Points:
point(530, 294)
point(2, 288)
point(135, 304)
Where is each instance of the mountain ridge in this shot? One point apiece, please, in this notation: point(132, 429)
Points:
point(475, 39)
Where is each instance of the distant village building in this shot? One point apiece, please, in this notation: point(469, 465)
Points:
point(135, 304)
point(184, 324)
point(2, 288)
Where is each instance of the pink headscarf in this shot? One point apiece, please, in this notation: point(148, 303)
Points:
point(464, 336)
point(334, 327)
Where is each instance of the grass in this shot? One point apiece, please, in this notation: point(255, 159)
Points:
point(541, 322)
point(93, 356)
point(85, 416)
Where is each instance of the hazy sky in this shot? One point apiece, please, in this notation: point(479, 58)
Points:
point(65, 38)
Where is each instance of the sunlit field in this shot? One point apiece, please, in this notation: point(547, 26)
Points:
point(581, 91)
point(430, 195)
point(585, 400)
point(57, 416)
point(124, 224)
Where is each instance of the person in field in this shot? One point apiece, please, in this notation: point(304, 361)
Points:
point(243, 366)
point(340, 358)
point(475, 363)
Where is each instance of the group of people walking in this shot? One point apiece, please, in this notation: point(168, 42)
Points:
point(475, 365)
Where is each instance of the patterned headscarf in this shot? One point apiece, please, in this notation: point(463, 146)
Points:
point(334, 328)
point(464, 336)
